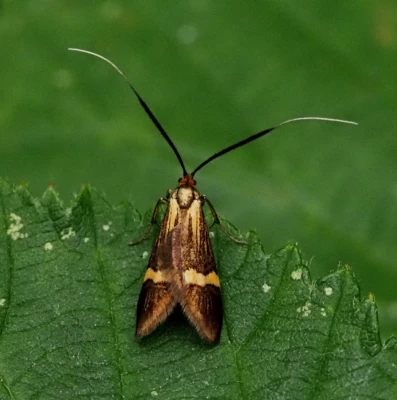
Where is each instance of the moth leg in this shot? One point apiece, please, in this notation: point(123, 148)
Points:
point(152, 222)
point(218, 222)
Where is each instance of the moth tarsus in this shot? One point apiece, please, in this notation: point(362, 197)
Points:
point(152, 222)
point(182, 267)
point(218, 222)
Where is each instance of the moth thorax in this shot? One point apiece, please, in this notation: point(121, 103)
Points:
point(186, 195)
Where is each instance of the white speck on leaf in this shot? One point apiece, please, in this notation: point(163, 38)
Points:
point(15, 227)
point(68, 212)
point(145, 254)
point(305, 310)
point(328, 291)
point(154, 393)
point(323, 313)
point(296, 275)
point(106, 227)
point(212, 234)
point(15, 218)
point(48, 246)
point(2, 302)
point(86, 239)
point(266, 287)
point(67, 233)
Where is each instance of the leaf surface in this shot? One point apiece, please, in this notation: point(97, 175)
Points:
point(68, 291)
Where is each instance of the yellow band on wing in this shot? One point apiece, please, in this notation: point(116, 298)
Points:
point(155, 276)
point(196, 278)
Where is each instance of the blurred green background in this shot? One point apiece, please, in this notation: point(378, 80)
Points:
point(213, 73)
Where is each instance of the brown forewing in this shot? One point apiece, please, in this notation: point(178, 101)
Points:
point(157, 298)
point(202, 303)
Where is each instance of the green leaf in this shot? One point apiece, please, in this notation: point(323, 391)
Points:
point(68, 291)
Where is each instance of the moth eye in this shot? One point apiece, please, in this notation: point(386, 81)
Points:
point(179, 180)
point(194, 182)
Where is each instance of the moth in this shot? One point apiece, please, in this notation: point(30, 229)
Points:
point(182, 268)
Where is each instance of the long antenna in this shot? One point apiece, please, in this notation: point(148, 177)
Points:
point(143, 104)
point(263, 133)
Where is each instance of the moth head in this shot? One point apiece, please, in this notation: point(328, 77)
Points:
point(187, 180)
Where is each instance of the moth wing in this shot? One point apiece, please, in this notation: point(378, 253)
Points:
point(203, 307)
point(155, 303)
point(201, 300)
point(156, 299)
